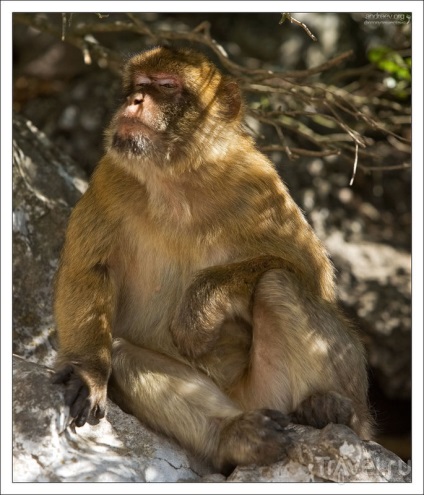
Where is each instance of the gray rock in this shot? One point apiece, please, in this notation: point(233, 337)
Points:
point(281, 472)
point(117, 448)
point(375, 285)
point(46, 184)
point(334, 454)
point(120, 448)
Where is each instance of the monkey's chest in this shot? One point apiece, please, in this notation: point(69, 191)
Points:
point(148, 295)
point(151, 283)
point(154, 265)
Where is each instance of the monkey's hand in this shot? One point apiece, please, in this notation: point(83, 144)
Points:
point(85, 392)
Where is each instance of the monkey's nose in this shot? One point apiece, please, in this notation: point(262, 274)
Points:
point(136, 99)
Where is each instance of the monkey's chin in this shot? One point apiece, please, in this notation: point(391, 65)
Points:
point(133, 145)
point(134, 138)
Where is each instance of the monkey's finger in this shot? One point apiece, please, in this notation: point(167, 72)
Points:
point(80, 400)
point(82, 417)
point(100, 411)
point(62, 375)
point(277, 416)
point(340, 409)
point(72, 391)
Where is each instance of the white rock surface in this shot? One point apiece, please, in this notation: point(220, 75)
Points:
point(118, 448)
point(335, 454)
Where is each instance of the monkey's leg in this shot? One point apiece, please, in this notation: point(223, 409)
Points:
point(217, 294)
point(185, 404)
point(305, 358)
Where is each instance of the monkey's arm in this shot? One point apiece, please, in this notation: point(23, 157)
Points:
point(217, 293)
point(85, 298)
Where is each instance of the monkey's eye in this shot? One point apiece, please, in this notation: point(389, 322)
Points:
point(167, 83)
point(142, 81)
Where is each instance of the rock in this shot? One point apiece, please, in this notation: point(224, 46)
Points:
point(281, 472)
point(335, 454)
point(375, 287)
point(118, 448)
point(46, 184)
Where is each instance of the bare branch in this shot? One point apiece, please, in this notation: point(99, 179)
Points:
point(382, 168)
point(286, 15)
point(355, 164)
point(300, 151)
point(142, 28)
point(298, 108)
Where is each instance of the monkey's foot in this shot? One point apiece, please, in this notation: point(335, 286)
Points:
point(254, 437)
point(318, 410)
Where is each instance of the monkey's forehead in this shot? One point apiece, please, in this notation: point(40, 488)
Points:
point(188, 64)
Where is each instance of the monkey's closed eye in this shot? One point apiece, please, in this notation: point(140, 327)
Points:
point(142, 81)
point(167, 83)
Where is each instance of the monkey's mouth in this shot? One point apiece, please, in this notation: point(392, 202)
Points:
point(128, 126)
point(133, 136)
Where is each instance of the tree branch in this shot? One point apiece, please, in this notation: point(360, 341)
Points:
point(297, 109)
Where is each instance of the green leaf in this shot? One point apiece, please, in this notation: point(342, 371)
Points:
point(390, 61)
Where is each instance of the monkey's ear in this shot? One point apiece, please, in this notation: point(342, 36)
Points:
point(230, 98)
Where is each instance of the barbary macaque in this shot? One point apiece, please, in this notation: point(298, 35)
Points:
point(191, 288)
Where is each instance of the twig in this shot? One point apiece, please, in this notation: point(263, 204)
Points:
point(386, 168)
point(352, 133)
point(286, 15)
point(355, 164)
point(63, 26)
point(301, 151)
point(303, 74)
point(141, 26)
point(66, 22)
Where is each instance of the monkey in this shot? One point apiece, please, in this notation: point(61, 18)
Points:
point(191, 289)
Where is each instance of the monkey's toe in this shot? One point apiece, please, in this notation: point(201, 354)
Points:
point(277, 416)
point(318, 410)
point(254, 437)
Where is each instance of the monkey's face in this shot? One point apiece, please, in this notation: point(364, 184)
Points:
point(173, 100)
point(143, 123)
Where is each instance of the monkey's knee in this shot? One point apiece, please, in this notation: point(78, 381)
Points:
point(318, 410)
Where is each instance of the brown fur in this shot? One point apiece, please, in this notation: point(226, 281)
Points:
point(188, 249)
